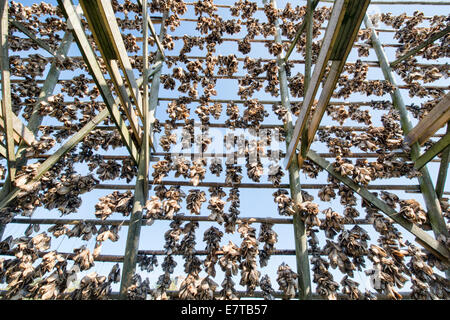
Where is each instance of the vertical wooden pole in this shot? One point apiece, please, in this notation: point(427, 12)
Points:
point(308, 50)
point(426, 185)
point(156, 80)
point(6, 101)
point(308, 63)
point(134, 229)
point(300, 238)
point(6, 92)
point(141, 191)
point(146, 120)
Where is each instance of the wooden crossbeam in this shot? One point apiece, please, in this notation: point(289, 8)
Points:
point(96, 73)
point(343, 26)
point(38, 41)
point(437, 148)
point(415, 50)
point(349, 30)
point(432, 122)
point(124, 94)
point(56, 156)
point(443, 169)
point(437, 248)
point(337, 15)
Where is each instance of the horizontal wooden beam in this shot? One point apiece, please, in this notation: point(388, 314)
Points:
point(306, 186)
point(442, 251)
point(432, 122)
point(369, 63)
point(241, 77)
point(149, 222)
point(414, 188)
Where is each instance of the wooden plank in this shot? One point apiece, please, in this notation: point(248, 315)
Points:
point(415, 50)
point(124, 94)
point(337, 15)
point(432, 122)
point(383, 206)
point(437, 148)
point(54, 158)
point(347, 35)
point(94, 68)
point(325, 96)
point(6, 92)
point(443, 169)
point(110, 22)
point(106, 47)
point(38, 41)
